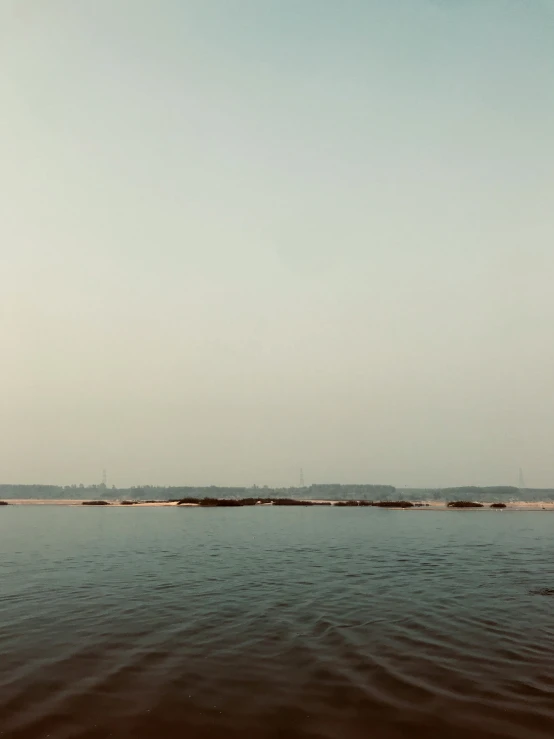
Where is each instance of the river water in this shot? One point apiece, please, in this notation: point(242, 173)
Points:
point(275, 622)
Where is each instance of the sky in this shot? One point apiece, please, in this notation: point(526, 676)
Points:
point(243, 237)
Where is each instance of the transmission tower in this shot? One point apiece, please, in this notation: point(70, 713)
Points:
point(104, 478)
point(521, 480)
point(302, 478)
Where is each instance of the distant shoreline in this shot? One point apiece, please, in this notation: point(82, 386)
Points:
point(424, 505)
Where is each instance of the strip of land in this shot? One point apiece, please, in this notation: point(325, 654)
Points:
point(429, 505)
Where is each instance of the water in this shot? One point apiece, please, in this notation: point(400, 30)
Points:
point(268, 622)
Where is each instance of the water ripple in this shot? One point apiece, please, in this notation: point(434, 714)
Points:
point(275, 624)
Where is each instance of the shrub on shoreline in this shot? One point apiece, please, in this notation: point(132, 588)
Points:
point(3, 502)
point(235, 503)
point(393, 504)
point(358, 503)
point(95, 502)
point(498, 505)
point(464, 504)
point(291, 501)
point(225, 503)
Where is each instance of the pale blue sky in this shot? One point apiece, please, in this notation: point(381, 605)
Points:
point(239, 237)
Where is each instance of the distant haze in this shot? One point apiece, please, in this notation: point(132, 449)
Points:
point(241, 237)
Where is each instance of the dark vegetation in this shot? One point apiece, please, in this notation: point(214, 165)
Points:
point(464, 504)
point(3, 502)
point(355, 503)
point(220, 503)
point(498, 505)
point(95, 502)
point(240, 502)
point(291, 501)
point(128, 502)
point(393, 504)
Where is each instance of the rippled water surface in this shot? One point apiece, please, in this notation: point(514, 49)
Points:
point(275, 622)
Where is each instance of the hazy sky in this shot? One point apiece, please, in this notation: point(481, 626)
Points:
point(240, 237)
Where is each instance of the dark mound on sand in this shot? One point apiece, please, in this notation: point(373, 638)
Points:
point(291, 501)
point(3, 502)
point(393, 504)
point(238, 502)
point(235, 502)
point(220, 503)
point(464, 504)
point(498, 505)
point(257, 501)
point(95, 502)
point(354, 503)
point(128, 502)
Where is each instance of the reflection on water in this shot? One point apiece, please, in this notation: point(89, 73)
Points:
point(257, 622)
